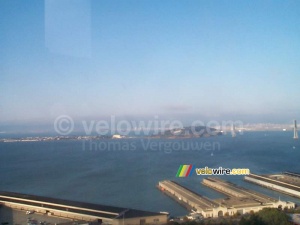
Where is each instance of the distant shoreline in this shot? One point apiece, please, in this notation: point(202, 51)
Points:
point(35, 138)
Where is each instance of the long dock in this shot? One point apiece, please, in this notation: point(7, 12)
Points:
point(294, 174)
point(184, 194)
point(239, 200)
point(237, 192)
point(287, 183)
point(79, 211)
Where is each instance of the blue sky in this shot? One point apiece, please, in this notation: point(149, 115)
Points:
point(188, 59)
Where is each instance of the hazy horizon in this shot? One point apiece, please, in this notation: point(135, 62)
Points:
point(184, 60)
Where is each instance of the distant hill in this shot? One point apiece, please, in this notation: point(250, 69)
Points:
point(189, 132)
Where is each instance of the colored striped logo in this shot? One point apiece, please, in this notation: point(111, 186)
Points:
point(184, 170)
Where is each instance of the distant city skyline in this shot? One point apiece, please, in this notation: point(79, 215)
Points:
point(186, 60)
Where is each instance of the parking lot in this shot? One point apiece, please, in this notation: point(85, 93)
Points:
point(10, 216)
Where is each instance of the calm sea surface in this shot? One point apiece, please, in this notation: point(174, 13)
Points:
point(125, 173)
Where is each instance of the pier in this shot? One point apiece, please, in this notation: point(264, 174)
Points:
point(191, 198)
point(238, 200)
point(79, 211)
point(287, 182)
point(238, 193)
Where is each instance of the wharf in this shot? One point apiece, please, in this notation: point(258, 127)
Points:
point(287, 182)
point(238, 200)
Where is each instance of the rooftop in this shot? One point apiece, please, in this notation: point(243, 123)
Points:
point(75, 206)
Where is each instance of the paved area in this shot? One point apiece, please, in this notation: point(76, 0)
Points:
point(247, 196)
point(10, 216)
point(280, 180)
point(201, 201)
point(293, 180)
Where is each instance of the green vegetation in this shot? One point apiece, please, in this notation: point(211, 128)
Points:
point(296, 210)
point(254, 219)
point(274, 216)
point(267, 216)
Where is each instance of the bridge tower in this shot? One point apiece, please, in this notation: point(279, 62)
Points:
point(233, 132)
point(295, 130)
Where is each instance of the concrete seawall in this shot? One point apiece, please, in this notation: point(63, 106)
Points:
point(270, 183)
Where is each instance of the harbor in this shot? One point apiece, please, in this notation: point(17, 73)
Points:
point(238, 200)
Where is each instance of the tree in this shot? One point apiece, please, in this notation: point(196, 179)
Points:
point(254, 219)
point(273, 216)
point(172, 223)
point(267, 216)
